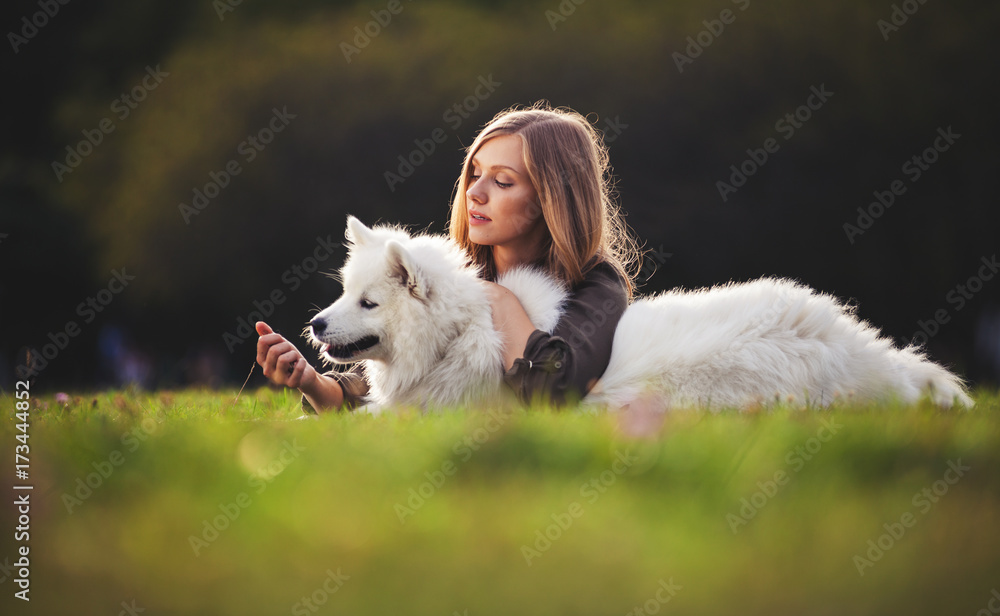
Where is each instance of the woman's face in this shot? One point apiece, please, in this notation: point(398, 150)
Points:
point(502, 204)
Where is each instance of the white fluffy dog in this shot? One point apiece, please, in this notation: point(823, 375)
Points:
point(415, 313)
point(747, 343)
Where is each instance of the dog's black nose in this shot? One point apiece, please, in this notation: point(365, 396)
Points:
point(318, 326)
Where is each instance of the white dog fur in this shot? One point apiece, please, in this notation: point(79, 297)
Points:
point(436, 342)
point(748, 343)
point(421, 315)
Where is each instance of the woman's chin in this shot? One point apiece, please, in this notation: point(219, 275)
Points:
point(477, 236)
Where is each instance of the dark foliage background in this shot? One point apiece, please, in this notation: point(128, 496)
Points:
point(673, 135)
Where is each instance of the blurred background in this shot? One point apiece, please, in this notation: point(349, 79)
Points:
point(168, 169)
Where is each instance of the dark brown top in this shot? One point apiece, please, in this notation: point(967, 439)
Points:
point(564, 365)
point(561, 366)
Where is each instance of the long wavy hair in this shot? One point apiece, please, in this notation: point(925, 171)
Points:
point(567, 163)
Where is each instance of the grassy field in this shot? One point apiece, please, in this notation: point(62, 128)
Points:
point(192, 503)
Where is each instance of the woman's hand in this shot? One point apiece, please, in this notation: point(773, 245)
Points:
point(511, 322)
point(283, 364)
point(281, 361)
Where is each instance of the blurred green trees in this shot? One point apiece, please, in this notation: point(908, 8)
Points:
point(673, 135)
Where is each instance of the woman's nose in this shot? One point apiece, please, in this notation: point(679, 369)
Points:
point(475, 193)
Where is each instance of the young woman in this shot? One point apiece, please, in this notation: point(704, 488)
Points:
point(534, 189)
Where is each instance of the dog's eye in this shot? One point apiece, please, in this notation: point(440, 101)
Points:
point(368, 305)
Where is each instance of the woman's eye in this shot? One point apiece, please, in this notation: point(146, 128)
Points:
point(503, 185)
point(367, 304)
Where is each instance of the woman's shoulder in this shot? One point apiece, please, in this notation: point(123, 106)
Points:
point(604, 273)
point(604, 280)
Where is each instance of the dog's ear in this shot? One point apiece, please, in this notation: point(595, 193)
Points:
point(402, 267)
point(357, 233)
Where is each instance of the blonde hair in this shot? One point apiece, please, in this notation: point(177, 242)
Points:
point(567, 163)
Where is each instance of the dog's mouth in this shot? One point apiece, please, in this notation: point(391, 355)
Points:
point(349, 350)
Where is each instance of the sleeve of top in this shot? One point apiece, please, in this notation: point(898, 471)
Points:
point(354, 384)
point(567, 363)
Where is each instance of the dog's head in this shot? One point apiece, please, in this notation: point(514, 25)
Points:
point(386, 295)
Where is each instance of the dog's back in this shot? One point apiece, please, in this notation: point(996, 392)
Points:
point(748, 343)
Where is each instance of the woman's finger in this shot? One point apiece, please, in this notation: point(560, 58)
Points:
point(273, 354)
point(286, 364)
point(298, 370)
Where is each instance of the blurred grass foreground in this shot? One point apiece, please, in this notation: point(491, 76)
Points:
point(194, 503)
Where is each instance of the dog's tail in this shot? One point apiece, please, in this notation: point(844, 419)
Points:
point(944, 387)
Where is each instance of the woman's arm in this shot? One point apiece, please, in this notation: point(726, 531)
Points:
point(324, 394)
point(511, 322)
point(569, 361)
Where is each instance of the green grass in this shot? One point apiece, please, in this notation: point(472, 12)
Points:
point(672, 513)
